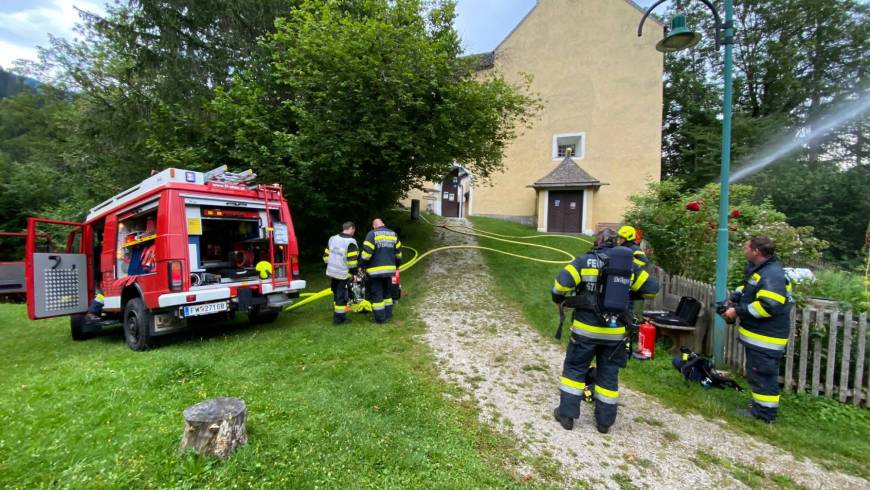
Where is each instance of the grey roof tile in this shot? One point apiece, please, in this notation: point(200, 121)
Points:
point(567, 173)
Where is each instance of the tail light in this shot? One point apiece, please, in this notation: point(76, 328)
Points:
point(176, 275)
point(294, 266)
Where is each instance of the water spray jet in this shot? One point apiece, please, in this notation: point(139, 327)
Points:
point(833, 121)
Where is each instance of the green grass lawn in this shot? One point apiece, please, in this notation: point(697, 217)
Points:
point(338, 407)
point(828, 431)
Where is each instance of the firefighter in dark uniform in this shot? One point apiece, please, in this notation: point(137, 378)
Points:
point(594, 334)
point(628, 238)
point(342, 259)
point(381, 256)
point(762, 304)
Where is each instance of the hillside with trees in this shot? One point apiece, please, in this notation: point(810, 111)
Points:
point(347, 104)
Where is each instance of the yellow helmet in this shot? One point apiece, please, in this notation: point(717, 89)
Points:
point(628, 232)
point(264, 268)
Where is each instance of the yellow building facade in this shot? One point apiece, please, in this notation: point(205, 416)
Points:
point(597, 139)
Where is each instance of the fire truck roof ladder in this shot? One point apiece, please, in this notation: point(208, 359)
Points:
point(221, 174)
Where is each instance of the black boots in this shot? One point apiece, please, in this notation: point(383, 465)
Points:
point(567, 423)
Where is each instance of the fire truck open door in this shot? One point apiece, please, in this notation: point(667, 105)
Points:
point(57, 281)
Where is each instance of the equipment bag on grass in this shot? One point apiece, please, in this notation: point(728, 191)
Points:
point(700, 369)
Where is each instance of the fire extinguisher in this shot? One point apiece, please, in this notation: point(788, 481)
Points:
point(646, 340)
point(396, 287)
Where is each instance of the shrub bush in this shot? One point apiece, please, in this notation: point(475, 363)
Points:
point(681, 230)
point(843, 286)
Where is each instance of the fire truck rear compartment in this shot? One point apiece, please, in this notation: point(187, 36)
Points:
point(227, 250)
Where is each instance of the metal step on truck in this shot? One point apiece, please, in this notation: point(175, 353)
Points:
point(179, 246)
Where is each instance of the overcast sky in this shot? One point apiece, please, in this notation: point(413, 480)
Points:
point(25, 24)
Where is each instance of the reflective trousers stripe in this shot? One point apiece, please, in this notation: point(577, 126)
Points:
point(378, 306)
point(606, 396)
point(771, 401)
point(571, 386)
point(763, 341)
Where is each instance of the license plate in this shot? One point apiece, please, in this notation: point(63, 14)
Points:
point(206, 309)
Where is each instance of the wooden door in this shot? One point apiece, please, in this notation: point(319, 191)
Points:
point(450, 195)
point(565, 211)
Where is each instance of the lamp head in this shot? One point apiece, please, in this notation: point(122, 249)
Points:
point(678, 37)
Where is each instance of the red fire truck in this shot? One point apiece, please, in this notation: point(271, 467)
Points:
point(179, 245)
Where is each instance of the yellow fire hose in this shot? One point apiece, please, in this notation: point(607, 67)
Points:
point(312, 297)
point(484, 233)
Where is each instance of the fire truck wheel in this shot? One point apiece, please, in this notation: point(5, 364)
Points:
point(77, 328)
point(137, 320)
point(256, 315)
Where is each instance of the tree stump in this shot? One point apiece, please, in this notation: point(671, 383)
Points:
point(215, 427)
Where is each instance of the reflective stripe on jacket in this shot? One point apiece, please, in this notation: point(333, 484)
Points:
point(582, 276)
point(381, 252)
point(638, 256)
point(763, 305)
point(341, 256)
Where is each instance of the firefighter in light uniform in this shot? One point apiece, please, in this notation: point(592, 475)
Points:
point(592, 335)
point(762, 304)
point(628, 238)
point(381, 256)
point(342, 259)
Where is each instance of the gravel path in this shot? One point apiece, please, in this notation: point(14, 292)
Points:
point(486, 347)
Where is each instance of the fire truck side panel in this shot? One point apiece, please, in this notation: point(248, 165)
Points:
point(171, 245)
point(293, 246)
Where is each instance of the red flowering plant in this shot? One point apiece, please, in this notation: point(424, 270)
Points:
point(680, 228)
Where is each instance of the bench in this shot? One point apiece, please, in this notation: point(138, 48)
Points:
point(681, 336)
point(690, 333)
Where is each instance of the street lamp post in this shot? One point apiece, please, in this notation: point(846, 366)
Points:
point(677, 38)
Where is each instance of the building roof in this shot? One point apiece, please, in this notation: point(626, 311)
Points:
point(567, 174)
point(481, 61)
point(658, 20)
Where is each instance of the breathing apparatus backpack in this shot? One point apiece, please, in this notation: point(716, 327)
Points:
point(616, 285)
point(699, 369)
point(610, 295)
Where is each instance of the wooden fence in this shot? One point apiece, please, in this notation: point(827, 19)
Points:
point(827, 349)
